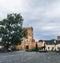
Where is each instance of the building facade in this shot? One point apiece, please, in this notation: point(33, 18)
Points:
point(52, 45)
point(29, 42)
point(58, 37)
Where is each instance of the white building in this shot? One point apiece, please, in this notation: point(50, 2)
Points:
point(49, 45)
point(57, 45)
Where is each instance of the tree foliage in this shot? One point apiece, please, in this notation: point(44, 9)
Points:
point(36, 47)
point(11, 29)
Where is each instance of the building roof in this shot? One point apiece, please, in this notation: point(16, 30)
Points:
point(40, 41)
point(58, 42)
point(51, 42)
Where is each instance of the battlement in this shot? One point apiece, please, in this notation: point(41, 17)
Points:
point(29, 28)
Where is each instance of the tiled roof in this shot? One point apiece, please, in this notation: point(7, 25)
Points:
point(40, 41)
point(51, 42)
point(58, 42)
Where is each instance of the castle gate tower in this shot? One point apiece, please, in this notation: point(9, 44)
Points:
point(28, 42)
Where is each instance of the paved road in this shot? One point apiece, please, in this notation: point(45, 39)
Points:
point(29, 57)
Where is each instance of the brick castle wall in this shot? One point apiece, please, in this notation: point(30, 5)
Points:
point(29, 41)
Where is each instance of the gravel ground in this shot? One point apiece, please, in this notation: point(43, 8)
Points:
point(29, 57)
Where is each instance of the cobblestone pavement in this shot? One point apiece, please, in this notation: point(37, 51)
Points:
point(29, 57)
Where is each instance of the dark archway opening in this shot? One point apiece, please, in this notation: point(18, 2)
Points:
point(27, 47)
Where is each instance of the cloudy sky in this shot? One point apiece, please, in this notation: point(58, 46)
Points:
point(42, 15)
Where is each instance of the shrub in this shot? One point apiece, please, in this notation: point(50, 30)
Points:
point(14, 48)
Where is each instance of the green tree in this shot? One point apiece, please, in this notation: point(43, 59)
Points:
point(36, 48)
point(11, 30)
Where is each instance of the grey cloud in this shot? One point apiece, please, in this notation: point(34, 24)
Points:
point(42, 15)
